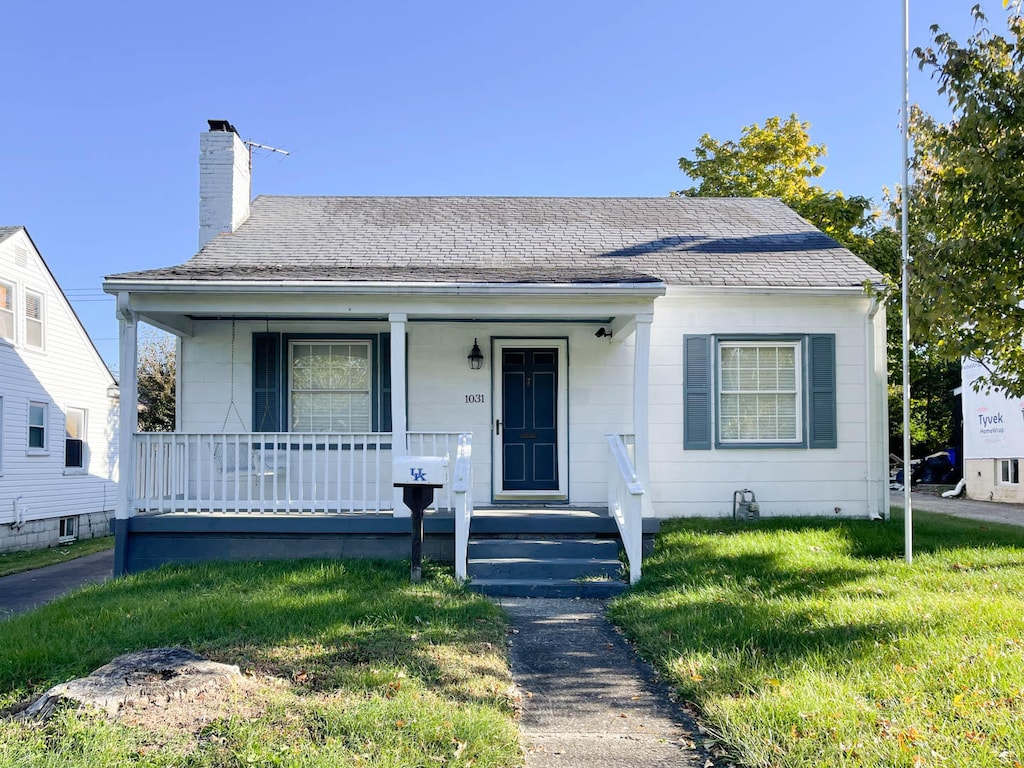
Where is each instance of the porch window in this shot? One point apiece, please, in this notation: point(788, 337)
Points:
point(321, 383)
point(759, 392)
point(6, 311)
point(330, 386)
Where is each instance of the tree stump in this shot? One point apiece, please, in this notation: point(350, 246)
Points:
point(156, 675)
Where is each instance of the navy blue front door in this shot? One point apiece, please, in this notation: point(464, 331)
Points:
point(529, 419)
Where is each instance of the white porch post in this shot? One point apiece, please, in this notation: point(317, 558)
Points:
point(128, 421)
point(399, 440)
point(641, 418)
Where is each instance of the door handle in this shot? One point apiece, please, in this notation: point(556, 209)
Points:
point(497, 426)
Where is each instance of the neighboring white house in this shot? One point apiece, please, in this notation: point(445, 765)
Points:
point(993, 439)
point(664, 351)
point(58, 410)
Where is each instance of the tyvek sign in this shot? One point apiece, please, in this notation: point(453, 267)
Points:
point(993, 422)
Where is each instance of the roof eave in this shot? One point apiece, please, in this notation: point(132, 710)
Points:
point(645, 288)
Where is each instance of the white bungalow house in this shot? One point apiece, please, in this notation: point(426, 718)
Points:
point(630, 359)
point(58, 410)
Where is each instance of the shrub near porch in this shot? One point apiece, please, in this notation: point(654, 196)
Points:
point(346, 664)
point(810, 642)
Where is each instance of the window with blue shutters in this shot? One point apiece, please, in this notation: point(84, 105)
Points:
point(314, 383)
point(759, 392)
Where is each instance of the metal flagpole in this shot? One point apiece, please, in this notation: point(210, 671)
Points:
point(908, 515)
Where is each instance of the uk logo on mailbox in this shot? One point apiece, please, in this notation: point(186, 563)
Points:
point(417, 473)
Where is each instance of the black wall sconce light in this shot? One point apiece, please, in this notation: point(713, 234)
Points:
point(475, 357)
point(604, 333)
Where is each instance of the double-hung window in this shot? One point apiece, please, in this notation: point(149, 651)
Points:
point(34, 319)
point(6, 311)
point(37, 419)
point(330, 387)
point(74, 440)
point(307, 383)
point(759, 391)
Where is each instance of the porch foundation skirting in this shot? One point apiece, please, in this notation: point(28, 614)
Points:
point(151, 541)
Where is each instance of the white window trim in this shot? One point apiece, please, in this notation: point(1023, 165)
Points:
point(13, 288)
point(45, 450)
point(1, 435)
point(1013, 471)
point(797, 347)
point(42, 319)
point(84, 469)
point(62, 523)
point(292, 343)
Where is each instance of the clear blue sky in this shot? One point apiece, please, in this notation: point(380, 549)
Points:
point(104, 102)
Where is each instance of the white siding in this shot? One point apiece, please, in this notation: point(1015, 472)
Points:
point(67, 372)
point(600, 374)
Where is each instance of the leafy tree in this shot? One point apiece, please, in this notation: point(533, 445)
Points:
point(778, 159)
point(967, 202)
point(157, 367)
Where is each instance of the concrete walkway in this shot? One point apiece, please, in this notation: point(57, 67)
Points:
point(20, 592)
point(588, 700)
point(990, 511)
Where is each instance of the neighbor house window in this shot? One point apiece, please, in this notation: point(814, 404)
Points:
point(33, 319)
point(759, 392)
point(6, 311)
point(37, 426)
point(330, 386)
point(1009, 472)
point(74, 439)
point(68, 530)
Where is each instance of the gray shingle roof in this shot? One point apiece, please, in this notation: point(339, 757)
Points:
point(6, 232)
point(682, 241)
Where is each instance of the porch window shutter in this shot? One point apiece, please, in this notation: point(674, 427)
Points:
point(697, 393)
point(384, 411)
point(821, 401)
point(266, 382)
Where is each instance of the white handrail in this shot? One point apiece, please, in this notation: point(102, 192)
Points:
point(462, 487)
point(625, 503)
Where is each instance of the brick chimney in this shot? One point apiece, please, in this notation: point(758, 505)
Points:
point(225, 181)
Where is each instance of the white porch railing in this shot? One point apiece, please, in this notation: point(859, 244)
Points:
point(268, 472)
point(625, 499)
point(462, 487)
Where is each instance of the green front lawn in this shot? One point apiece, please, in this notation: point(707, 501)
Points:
point(347, 664)
point(811, 642)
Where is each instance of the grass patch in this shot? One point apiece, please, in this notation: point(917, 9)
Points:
point(811, 642)
point(350, 665)
point(16, 562)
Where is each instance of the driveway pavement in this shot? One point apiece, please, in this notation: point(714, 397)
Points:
point(20, 592)
point(990, 511)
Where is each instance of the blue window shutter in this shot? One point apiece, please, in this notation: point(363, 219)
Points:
point(266, 382)
point(697, 411)
point(821, 400)
point(385, 383)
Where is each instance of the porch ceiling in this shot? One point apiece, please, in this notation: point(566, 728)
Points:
point(173, 307)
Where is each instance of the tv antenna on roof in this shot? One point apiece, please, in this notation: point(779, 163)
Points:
point(250, 144)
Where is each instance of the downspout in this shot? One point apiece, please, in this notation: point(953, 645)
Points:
point(870, 410)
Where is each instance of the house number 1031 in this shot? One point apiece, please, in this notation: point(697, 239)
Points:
point(474, 398)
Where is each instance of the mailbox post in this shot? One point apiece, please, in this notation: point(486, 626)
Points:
point(418, 476)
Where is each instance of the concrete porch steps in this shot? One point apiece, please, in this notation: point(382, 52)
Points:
point(550, 554)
